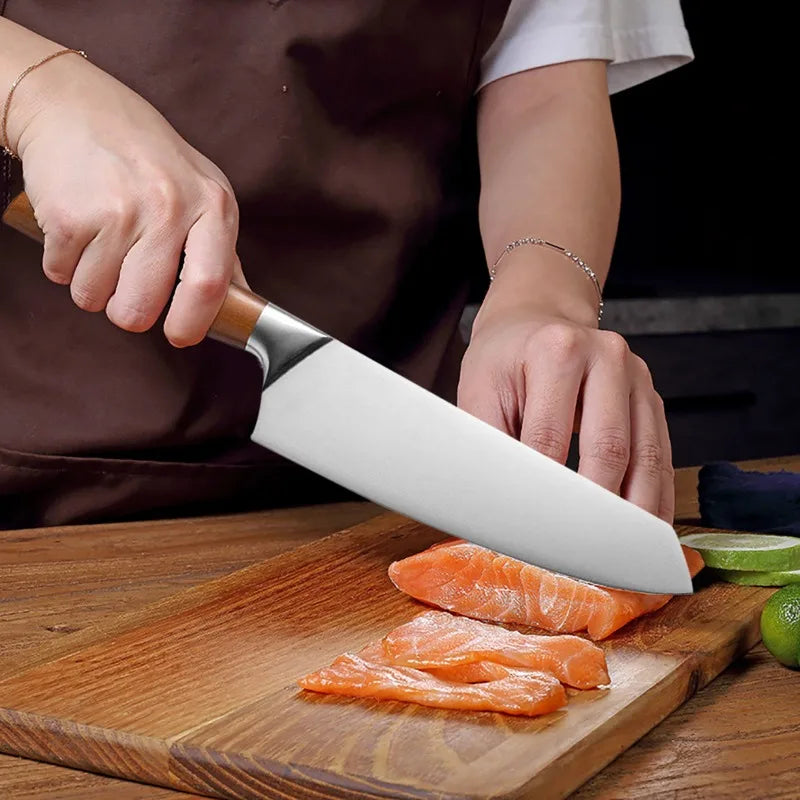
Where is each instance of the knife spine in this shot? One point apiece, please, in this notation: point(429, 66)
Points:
point(280, 341)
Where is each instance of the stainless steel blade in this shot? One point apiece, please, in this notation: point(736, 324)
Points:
point(344, 416)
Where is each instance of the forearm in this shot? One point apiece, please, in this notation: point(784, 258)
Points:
point(19, 49)
point(549, 169)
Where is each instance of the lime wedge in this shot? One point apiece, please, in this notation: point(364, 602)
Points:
point(758, 578)
point(756, 552)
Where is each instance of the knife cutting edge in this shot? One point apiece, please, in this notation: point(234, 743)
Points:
point(344, 416)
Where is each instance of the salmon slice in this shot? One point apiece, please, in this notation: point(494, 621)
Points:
point(375, 653)
point(436, 639)
point(470, 580)
point(473, 672)
point(521, 692)
point(476, 672)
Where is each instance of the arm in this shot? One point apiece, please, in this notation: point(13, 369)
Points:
point(118, 193)
point(20, 48)
point(537, 365)
point(549, 168)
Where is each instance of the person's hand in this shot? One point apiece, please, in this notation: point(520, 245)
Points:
point(120, 197)
point(540, 377)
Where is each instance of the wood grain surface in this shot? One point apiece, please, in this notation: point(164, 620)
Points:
point(19, 215)
point(198, 692)
point(237, 316)
point(737, 739)
point(57, 582)
point(699, 751)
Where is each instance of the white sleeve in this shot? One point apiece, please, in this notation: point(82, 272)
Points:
point(638, 38)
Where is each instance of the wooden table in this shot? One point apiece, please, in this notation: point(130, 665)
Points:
point(737, 738)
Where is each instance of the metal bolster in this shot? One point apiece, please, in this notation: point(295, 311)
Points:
point(280, 341)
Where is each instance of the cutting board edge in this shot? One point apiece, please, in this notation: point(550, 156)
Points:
point(282, 781)
point(558, 781)
point(691, 673)
point(22, 732)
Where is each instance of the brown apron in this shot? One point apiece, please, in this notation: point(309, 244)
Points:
point(347, 131)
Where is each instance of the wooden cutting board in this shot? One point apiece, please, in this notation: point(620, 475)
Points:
point(198, 691)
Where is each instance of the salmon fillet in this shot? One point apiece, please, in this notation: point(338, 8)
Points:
point(473, 672)
point(476, 672)
point(522, 692)
point(436, 639)
point(470, 580)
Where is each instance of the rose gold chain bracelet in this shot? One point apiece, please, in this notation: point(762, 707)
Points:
point(577, 260)
point(4, 143)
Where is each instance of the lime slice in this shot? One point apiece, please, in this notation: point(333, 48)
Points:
point(780, 625)
point(757, 578)
point(757, 552)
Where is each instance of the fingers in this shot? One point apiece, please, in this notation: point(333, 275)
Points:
point(238, 274)
point(554, 365)
point(666, 504)
point(650, 479)
point(624, 441)
point(97, 272)
point(97, 252)
point(145, 283)
point(207, 272)
point(64, 240)
point(605, 428)
point(556, 372)
point(488, 396)
point(124, 258)
point(644, 478)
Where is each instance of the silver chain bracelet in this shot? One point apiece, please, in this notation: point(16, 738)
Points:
point(577, 260)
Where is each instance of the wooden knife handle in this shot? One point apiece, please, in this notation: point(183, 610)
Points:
point(236, 318)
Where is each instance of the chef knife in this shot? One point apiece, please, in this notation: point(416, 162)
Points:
point(334, 411)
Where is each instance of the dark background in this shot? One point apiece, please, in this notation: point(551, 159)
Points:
point(696, 222)
point(692, 146)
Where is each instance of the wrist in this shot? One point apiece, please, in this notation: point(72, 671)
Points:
point(541, 282)
point(42, 87)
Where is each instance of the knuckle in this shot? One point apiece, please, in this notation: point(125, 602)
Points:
point(649, 456)
point(615, 347)
point(166, 198)
point(611, 449)
point(132, 316)
point(56, 270)
point(548, 438)
point(208, 287)
point(220, 200)
point(564, 342)
point(60, 226)
point(640, 367)
point(85, 298)
point(118, 213)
